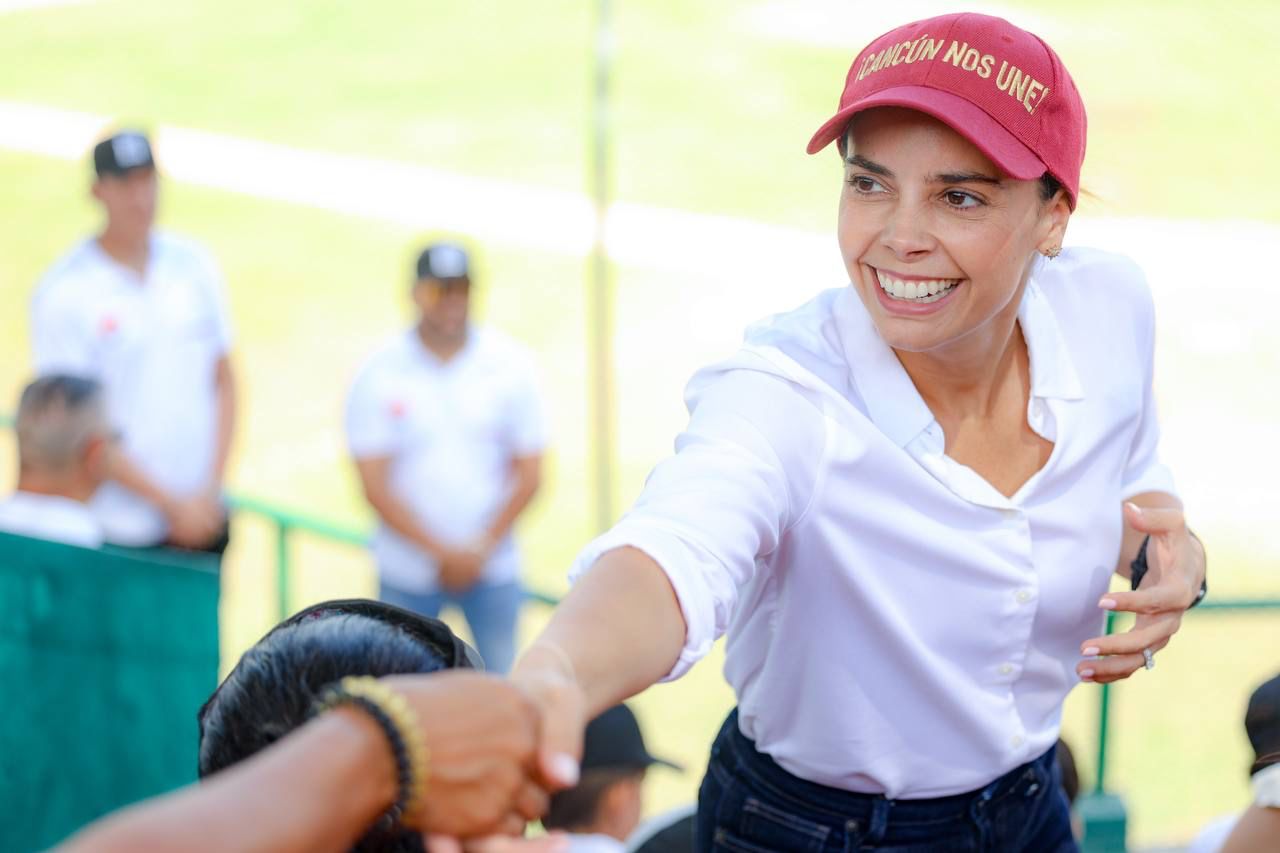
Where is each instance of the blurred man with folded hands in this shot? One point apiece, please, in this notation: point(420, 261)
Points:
point(145, 313)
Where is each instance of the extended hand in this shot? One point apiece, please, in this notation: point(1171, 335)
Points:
point(1175, 571)
point(546, 675)
point(481, 735)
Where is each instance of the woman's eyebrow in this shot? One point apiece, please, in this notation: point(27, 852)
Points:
point(965, 178)
point(870, 165)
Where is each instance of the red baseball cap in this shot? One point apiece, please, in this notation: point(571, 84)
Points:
point(999, 86)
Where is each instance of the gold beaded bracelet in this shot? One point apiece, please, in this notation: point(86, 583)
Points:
point(399, 723)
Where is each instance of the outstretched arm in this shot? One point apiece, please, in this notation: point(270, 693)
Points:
point(323, 785)
point(618, 631)
point(317, 790)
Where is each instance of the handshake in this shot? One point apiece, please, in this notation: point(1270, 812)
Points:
point(358, 723)
point(355, 723)
point(498, 748)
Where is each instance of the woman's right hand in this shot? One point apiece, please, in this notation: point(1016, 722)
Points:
point(547, 677)
point(481, 733)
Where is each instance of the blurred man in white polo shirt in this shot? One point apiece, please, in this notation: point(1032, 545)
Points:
point(145, 313)
point(63, 442)
point(447, 432)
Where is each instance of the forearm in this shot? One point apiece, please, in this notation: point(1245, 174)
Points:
point(401, 519)
point(1257, 829)
point(225, 425)
point(620, 628)
point(317, 790)
point(521, 495)
point(127, 473)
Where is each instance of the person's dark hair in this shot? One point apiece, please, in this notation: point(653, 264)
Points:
point(273, 688)
point(1070, 776)
point(1049, 186)
point(1262, 724)
point(578, 807)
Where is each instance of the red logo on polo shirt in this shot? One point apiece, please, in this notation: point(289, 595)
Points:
point(108, 324)
point(397, 408)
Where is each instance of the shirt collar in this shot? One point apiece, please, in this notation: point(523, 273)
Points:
point(892, 401)
point(891, 398)
point(1053, 373)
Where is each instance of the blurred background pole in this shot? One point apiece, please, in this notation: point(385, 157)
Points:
point(599, 286)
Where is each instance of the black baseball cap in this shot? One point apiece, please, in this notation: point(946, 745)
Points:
point(122, 153)
point(1262, 724)
point(444, 261)
point(613, 740)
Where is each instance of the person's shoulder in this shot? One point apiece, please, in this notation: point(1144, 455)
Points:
point(810, 327)
point(804, 345)
point(65, 275)
point(182, 251)
point(178, 245)
point(1091, 275)
point(49, 517)
point(497, 343)
point(761, 384)
point(392, 355)
point(500, 353)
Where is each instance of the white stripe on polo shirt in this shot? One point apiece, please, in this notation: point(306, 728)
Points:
point(895, 624)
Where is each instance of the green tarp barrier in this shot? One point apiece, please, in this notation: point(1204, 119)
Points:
point(105, 656)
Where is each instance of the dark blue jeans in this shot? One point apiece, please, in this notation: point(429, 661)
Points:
point(748, 803)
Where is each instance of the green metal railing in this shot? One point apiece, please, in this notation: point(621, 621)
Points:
point(286, 523)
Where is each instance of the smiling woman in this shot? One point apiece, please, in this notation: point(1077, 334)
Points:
point(904, 501)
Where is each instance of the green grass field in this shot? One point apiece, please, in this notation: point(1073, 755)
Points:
point(712, 115)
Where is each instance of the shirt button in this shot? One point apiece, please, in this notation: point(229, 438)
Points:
point(1006, 668)
point(1010, 512)
point(1023, 596)
point(1017, 741)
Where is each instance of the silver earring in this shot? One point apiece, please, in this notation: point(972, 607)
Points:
point(1053, 252)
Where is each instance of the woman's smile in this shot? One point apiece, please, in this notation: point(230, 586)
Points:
point(913, 295)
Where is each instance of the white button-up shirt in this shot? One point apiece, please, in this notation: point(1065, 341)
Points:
point(451, 429)
point(897, 625)
point(154, 344)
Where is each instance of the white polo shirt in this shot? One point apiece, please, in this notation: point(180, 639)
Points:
point(154, 343)
point(896, 625)
point(50, 517)
point(451, 429)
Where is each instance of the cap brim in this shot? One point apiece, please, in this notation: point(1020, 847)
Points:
point(999, 145)
point(121, 171)
point(653, 759)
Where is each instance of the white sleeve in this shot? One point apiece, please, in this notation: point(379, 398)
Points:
point(526, 422)
point(1144, 472)
point(60, 339)
point(370, 423)
point(743, 473)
